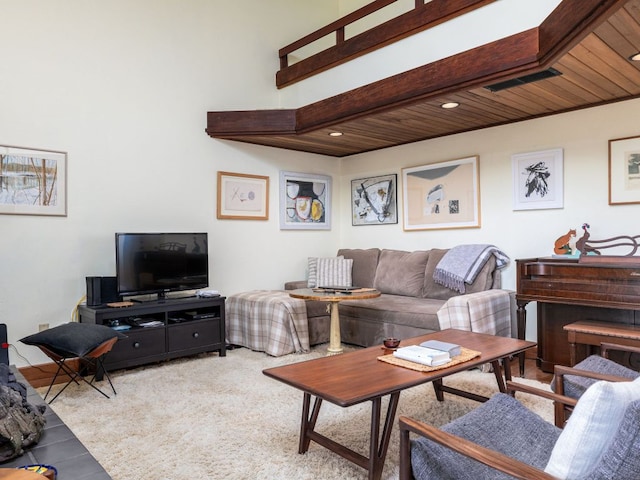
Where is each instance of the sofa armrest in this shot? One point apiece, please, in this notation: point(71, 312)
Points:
point(296, 284)
point(490, 311)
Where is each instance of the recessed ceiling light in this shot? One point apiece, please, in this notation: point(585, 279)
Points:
point(335, 134)
point(450, 105)
point(635, 57)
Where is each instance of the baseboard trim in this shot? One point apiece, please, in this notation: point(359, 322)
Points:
point(42, 375)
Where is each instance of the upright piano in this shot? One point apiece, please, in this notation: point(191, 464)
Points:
point(568, 290)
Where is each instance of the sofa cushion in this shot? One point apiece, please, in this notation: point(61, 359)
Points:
point(483, 281)
point(401, 273)
point(397, 309)
point(334, 271)
point(364, 267)
point(312, 270)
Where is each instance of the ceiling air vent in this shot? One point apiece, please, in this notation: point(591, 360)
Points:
point(514, 82)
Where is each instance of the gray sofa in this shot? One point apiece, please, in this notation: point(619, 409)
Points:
point(411, 304)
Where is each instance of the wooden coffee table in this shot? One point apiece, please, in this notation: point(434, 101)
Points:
point(356, 377)
point(334, 298)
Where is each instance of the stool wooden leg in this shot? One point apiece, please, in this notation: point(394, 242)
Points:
point(572, 349)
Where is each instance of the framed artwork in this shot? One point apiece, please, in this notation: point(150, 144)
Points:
point(442, 195)
point(33, 181)
point(538, 180)
point(624, 171)
point(242, 196)
point(305, 201)
point(374, 200)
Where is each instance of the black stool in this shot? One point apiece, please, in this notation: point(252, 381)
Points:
point(89, 343)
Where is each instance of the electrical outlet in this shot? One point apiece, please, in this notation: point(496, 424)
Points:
point(43, 326)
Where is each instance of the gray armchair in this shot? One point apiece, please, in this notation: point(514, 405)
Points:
point(502, 439)
point(573, 381)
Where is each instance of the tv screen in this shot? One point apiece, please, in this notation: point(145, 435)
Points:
point(161, 262)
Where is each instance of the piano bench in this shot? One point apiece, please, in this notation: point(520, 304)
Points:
point(595, 333)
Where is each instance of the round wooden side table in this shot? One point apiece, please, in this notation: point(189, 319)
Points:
point(334, 297)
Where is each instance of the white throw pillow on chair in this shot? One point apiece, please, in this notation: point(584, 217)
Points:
point(591, 427)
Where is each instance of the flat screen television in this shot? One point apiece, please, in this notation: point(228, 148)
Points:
point(148, 263)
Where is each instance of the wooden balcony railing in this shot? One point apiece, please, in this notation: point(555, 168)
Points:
point(421, 17)
point(336, 27)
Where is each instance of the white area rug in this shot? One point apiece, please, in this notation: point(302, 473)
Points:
point(221, 418)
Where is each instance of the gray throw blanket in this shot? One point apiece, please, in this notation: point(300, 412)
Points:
point(461, 264)
point(21, 423)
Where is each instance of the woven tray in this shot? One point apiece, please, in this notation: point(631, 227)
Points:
point(465, 356)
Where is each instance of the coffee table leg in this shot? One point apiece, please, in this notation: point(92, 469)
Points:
point(440, 388)
point(379, 441)
point(378, 446)
point(308, 423)
point(437, 388)
point(335, 347)
point(498, 373)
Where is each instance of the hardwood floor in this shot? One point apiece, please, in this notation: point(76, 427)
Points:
point(531, 371)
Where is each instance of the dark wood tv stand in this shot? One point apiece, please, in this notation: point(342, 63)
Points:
point(188, 326)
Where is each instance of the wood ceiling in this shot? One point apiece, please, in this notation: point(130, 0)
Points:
point(588, 41)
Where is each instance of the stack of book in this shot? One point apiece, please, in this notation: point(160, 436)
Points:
point(432, 353)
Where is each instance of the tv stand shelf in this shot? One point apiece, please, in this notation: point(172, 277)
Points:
point(186, 326)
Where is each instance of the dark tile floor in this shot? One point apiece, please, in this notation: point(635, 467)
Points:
point(58, 447)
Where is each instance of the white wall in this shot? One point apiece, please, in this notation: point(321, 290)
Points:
point(124, 87)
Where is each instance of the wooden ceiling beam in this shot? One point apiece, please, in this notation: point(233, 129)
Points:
point(482, 65)
point(251, 122)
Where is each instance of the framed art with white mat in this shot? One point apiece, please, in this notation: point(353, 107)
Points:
point(442, 195)
point(305, 201)
point(33, 181)
point(624, 171)
point(242, 196)
point(538, 180)
point(374, 200)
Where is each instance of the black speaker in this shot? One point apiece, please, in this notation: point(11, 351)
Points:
point(101, 290)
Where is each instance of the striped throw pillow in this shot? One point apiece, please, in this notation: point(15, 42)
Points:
point(334, 271)
point(312, 268)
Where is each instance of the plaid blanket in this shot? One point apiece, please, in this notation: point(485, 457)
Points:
point(462, 263)
point(483, 312)
point(267, 321)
